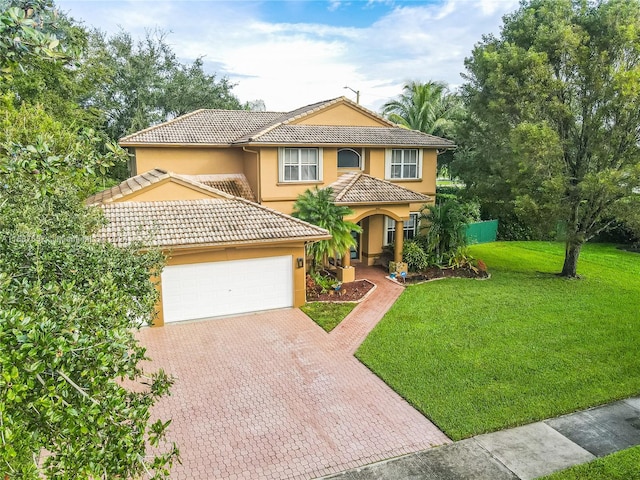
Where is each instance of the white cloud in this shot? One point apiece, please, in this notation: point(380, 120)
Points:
point(293, 64)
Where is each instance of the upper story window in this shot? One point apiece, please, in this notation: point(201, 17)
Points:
point(403, 163)
point(300, 164)
point(349, 158)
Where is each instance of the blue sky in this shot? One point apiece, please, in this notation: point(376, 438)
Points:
point(292, 53)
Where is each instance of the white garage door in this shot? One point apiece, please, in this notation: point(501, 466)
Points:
point(201, 290)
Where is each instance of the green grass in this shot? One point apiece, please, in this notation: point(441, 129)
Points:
point(326, 314)
point(623, 465)
point(479, 356)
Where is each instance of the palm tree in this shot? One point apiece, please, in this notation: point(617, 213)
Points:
point(317, 207)
point(427, 107)
point(446, 227)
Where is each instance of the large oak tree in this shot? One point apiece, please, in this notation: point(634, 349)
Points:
point(554, 113)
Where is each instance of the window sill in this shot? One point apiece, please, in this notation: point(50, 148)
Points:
point(398, 180)
point(300, 182)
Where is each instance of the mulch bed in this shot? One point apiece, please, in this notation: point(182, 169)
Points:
point(349, 292)
point(433, 273)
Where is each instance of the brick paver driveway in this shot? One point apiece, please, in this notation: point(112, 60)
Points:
point(273, 396)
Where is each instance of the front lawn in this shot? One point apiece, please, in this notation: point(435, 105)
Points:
point(479, 356)
point(328, 314)
point(623, 465)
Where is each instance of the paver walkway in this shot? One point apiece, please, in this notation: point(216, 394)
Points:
point(521, 453)
point(352, 331)
point(273, 396)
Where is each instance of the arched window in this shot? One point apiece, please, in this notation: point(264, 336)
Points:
point(348, 158)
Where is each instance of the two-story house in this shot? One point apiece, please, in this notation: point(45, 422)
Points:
point(383, 172)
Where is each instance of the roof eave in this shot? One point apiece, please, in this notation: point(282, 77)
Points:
point(171, 144)
point(342, 144)
point(384, 202)
point(260, 242)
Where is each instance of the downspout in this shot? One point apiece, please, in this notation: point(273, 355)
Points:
point(258, 173)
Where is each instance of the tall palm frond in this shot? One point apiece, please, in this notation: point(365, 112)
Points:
point(317, 207)
point(427, 107)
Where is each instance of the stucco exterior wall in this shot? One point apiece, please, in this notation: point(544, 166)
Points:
point(340, 115)
point(190, 161)
point(187, 256)
point(251, 164)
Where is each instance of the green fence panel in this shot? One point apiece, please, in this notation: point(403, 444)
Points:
point(482, 232)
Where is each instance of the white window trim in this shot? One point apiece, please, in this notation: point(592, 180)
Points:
point(390, 226)
point(359, 152)
point(281, 179)
point(387, 164)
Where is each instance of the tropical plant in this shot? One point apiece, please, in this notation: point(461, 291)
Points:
point(446, 223)
point(430, 108)
point(554, 107)
point(414, 256)
point(317, 207)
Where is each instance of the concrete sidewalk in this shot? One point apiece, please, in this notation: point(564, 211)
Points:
point(525, 453)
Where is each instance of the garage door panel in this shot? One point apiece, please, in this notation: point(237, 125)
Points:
point(213, 289)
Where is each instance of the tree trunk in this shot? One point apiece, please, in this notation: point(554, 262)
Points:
point(572, 252)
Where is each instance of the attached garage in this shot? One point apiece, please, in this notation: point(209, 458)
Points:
point(225, 255)
point(214, 289)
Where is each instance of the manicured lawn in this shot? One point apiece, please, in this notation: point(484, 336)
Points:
point(479, 356)
point(623, 465)
point(327, 315)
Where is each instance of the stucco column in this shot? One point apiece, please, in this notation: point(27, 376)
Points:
point(346, 260)
point(397, 257)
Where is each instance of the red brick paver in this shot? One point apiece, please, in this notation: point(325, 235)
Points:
point(356, 326)
point(273, 396)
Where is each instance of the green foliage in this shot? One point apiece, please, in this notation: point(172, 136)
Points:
point(317, 207)
point(32, 141)
point(427, 107)
point(74, 399)
point(448, 190)
point(522, 346)
point(553, 112)
point(27, 31)
point(146, 84)
point(414, 256)
point(328, 314)
point(446, 226)
point(325, 282)
point(622, 465)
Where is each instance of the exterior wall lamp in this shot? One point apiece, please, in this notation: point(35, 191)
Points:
point(300, 261)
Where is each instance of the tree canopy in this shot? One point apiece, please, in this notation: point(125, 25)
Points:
point(75, 400)
point(553, 131)
point(146, 84)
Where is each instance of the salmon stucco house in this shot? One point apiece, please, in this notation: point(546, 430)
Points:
point(218, 186)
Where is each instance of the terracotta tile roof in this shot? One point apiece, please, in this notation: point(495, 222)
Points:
point(209, 127)
point(352, 188)
point(339, 135)
point(240, 127)
point(235, 184)
point(134, 184)
point(185, 223)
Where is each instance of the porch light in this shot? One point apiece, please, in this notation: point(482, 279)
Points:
point(300, 262)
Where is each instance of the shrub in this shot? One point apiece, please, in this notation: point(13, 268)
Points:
point(414, 256)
